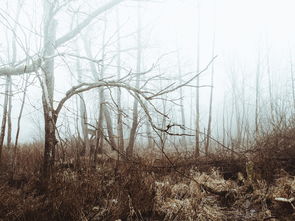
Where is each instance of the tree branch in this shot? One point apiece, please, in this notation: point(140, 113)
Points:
point(86, 22)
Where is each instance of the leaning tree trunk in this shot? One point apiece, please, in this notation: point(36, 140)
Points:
point(18, 124)
point(13, 61)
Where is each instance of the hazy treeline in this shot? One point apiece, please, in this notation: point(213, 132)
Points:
point(96, 72)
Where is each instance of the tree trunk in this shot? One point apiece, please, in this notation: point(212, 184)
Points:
point(270, 89)
point(197, 141)
point(292, 80)
point(18, 124)
point(183, 139)
point(210, 104)
point(83, 113)
point(257, 98)
point(104, 114)
point(109, 123)
point(149, 135)
point(163, 137)
point(47, 94)
point(4, 117)
point(132, 136)
point(9, 114)
point(99, 130)
point(120, 141)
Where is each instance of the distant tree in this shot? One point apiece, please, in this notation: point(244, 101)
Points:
point(120, 133)
point(207, 144)
point(183, 139)
point(4, 116)
point(197, 141)
point(42, 66)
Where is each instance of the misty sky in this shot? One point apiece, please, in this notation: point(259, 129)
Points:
point(245, 33)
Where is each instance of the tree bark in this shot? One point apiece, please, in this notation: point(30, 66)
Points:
point(83, 113)
point(132, 136)
point(4, 117)
point(183, 139)
point(9, 114)
point(47, 94)
point(120, 132)
point(18, 124)
point(197, 141)
point(210, 103)
point(257, 95)
point(104, 114)
point(292, 80)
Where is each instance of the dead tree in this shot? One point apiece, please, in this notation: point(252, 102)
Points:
point(42, 65)
point(4, 117)
point(47, 84)
point(46, 64)
point(19, 123)
point(132, 135)
point(104, 113)
point(9, 125)
point(183, 139)
point(257, 97)
point(83, 112)
point(197, 141)
point(271, 101)
point(120, 133)
point(207, 144)
point(292, 80)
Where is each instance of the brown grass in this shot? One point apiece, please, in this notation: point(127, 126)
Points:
point(151, 188)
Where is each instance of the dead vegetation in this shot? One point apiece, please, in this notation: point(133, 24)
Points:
point(260, 186)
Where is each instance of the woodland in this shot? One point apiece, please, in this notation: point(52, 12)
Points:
point(101, 120)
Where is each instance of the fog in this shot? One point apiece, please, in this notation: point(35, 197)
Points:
point(147, 110)
point(248, 37)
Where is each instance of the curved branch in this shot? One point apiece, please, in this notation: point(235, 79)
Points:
point(83, 87)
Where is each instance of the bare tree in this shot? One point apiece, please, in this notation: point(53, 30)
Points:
point(9, 125)
point(132, 136)
point(210, 103)
point(19, 123)
point(46, 63)
point(47, 84)
point(42, 65)
point(292, 79)
point(4, 116)
point(270, 88)
point(257, 96)
point(119, 106)
point(83, 112)
point(197, 141)
point(183, 139)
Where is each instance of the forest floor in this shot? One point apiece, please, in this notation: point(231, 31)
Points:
point(260, 186)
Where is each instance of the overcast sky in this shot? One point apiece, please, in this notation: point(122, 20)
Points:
point(243, 30)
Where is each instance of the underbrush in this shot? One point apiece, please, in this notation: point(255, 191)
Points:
point(257, 186)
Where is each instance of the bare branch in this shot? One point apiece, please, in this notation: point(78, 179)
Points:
point(86, 22)
point(166, 91)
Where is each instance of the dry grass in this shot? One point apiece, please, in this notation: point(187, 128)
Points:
point(150, 188)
